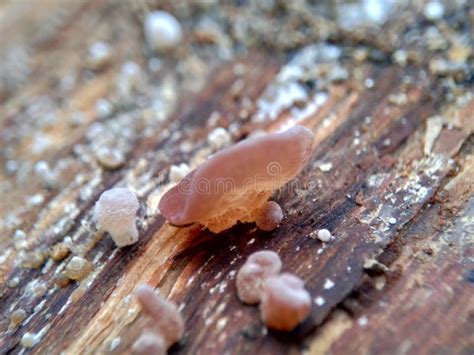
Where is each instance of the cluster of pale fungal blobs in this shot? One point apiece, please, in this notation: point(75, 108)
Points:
point(284, 302)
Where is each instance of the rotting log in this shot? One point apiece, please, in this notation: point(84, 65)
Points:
point(396, 278)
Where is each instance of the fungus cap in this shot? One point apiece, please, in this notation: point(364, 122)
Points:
point(285, 302)
point(163, 316)
point(255, 270)
point(115, 213)
point(236, 182)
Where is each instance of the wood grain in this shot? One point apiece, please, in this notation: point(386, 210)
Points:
point(397, 278)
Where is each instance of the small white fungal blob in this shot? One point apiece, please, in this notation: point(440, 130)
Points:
point(131, 70)
point(29, 340)
point(19, 240)
point(47, 176)
point(433, 10)
point(328, 284)
point(400, 57)
point(285, 302)
point(103, 108)
point(130, 79)
point(251, 275)
point(78, 268)
point(19, 234)
point(163, 316)
point(14, 281)
point(149, 343)
point(162, 31)
point(218, 138)
point(39, 289)
point(369, 83)
point(324, 235)
point(11, 166)
point(16, 317)
point(325, 167)
point(178, 172)
point(362, 321)
point(100, 54)
point(36, 200)
point(114, 343)
point(115, 213)
point(109, 158)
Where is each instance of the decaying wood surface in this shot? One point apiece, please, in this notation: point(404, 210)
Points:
point(397, 278)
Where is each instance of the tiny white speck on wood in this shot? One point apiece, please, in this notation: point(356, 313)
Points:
point(319, 300)
point(328, 284)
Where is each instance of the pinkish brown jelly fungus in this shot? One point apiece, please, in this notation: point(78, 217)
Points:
point(162, 316)
point(149, 343)
point(285, 302)
point(269, 217)
point(236, 183)
point(251, 275)
point(115, 213)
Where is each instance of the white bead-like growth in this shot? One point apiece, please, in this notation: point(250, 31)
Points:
point(130, 78)
point(103, 108)
point(218, 138)
point(109, 158)
point(162, 31)
point(100, 54)
point(433, 10)
point(78, 268)
point(115, 213)
point(47, 176)
point(29, 340)
point(324, 235)
point(178, 172)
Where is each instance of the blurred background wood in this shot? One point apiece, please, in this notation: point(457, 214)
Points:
point(391, 181)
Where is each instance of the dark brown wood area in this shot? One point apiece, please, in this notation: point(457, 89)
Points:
point(398, 278)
